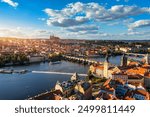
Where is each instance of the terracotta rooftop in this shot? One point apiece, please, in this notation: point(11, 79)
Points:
point(100, 67)
point(119, 81)
point(148, 75)
point(119, 73)
point(146, 66)
point(52, 96)
point(136, 76)
point(105, 96)
point(107, 82)
point(138, 70)
point(133, 63)
point(57, 97)
point(128, 98)
point(108, 88)
point(142, 92)
point(58, 92)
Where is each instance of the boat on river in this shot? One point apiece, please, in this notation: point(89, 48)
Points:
point(55, 62)
point(5, 71)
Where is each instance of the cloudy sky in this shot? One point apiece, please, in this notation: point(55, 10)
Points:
point(80, 19)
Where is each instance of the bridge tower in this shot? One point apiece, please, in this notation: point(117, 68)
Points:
point(147, 59)
point(106, 66)
point(124, 60)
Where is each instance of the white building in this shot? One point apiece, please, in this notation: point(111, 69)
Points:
point(34, 59)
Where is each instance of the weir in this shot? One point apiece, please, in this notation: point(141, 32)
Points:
point(59, 73)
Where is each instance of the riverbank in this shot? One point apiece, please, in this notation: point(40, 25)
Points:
point(84, 60)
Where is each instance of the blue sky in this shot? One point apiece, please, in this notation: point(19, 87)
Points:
point(80, 19)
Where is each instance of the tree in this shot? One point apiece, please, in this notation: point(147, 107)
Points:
point(2, 61)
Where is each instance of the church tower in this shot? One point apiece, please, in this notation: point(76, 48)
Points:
point(75, 77)
point(106, 66)
point(147, 59)
point(124, 60)
point(58, 86)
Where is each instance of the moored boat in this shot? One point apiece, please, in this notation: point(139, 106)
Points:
point(55, 62)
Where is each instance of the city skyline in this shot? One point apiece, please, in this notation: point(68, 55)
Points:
point(84, 19)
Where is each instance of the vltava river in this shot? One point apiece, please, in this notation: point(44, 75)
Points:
point(21, 86)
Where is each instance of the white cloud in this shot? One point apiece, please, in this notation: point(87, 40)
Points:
point(11, 3)
point(66, 22)
point(139, 24)
point(121, 11)
point(81, 34)
point(81, 13)
point(83, 28)
point(82, 20)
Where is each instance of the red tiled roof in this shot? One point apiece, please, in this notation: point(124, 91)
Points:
point(148, 75)
point(128, 98)
point(119, 81)
point(100, 67)
point(138, 70)
point(107, 82)
point(133, 63)
point(146, 66)
point(136, 76)
point(58, 92)
point(107, 96)
point(119, 73)
point(142, 92)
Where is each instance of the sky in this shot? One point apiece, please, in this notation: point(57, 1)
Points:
point(76, 19)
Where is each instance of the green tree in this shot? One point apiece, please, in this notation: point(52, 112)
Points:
point(2, 61)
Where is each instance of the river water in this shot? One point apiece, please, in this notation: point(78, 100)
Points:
point(21, 86)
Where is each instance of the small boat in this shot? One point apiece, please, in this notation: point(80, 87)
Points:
point(1, 70)
point(55, 62)
point(8, 72)
point(23, 71)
